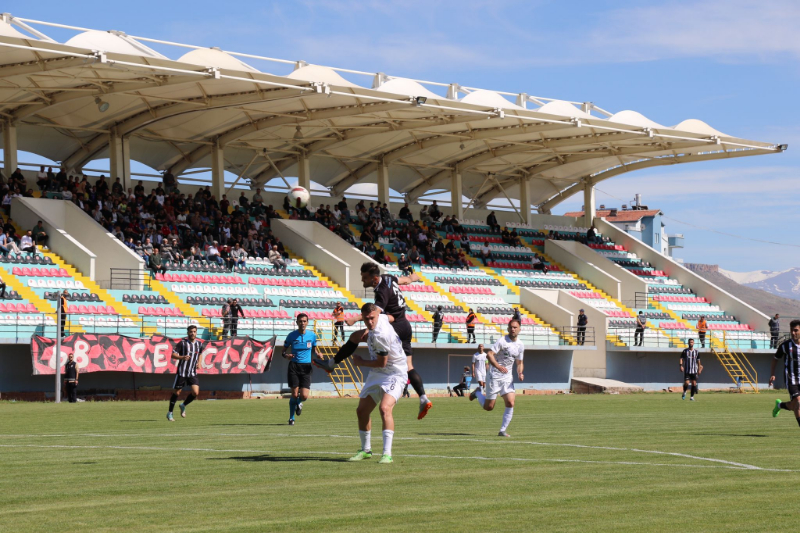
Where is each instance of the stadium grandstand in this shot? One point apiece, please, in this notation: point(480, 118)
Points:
point(467, 182)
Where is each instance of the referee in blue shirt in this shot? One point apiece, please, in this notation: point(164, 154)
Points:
point(297, 347)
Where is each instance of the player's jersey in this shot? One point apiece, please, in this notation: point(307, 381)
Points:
point(301, 345)
point(188, 369)
point(384, 341)
point(479, 360)
point(790, 353)
point(691, 361)
point(389, 298)
point(506, 352)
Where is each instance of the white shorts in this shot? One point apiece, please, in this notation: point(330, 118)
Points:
point(479, 376)
point(498, 387)
point(378, 384)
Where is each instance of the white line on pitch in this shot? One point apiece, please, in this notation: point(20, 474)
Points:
point(416, 456)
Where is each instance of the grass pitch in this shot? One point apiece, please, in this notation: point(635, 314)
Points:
point(625, 463)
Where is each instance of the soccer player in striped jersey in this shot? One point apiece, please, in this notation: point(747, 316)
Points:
point(187, 352)
point(500, 382)
point(691, 368)
point(789, 351)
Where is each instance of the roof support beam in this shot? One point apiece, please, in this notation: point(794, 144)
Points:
point(456, 193)
point(383, 183)
point(9, 148)
point(217, 170)
point(304, 171)
point(589, 205)
point(525, 199)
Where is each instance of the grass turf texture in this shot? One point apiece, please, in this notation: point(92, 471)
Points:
point(236, 465)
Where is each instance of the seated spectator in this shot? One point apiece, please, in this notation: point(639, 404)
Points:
point(238, 257)
point(491, 221)
point(404, 264)
point(425, 217)
point(380, 256)
point(464, 242)
point(505, 236)
point(414, 257)
point(213, 254)
point(435, 212)
point(275, 257)
point(591, 235)
point(486, 254)
point(447, 225)
point(538, 264)
point(26, 243)
point(7, 244)
point(405, 213)
point(156, 262)
point(41, 179)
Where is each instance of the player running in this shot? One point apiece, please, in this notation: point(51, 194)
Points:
point(389, 301)
point(384, 384)
point(691, 368)
point(500, 382)
point(479, 366)
point(299, 345)
point(188, 353)
point(789, 351)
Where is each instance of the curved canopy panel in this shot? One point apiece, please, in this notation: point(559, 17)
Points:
point(7, 30)
point(214, 57)
point(107, 41)
point(489, 99)
point(316, 73)
point(634, 119)
point(698, 126)
point(560, 107)
point(176, 113)
point(407, 87)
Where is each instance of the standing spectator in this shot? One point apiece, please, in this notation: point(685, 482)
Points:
point(774, 330)
point(438, 320)
point(472, 318)
point(702, 328)
point(338, 321)
point(491, 221)
point(157, 262)
point(583, 321)
point(638, 336)
point(62, 309)
point(225, 313)
point(463, 385)
point(236, 312)
point(40, 235)
point(479, 366)
point(517, 315)
point(71, 372)
point(41, 179)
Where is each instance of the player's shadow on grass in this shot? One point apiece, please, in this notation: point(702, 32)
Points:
point(278, 459)
point(731, 435)
point(284, 424)
point(448, 434)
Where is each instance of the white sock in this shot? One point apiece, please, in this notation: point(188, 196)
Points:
point(509, 412)
point(423, 399)
point(366, 440)
point(481, 398)
point(388, 435)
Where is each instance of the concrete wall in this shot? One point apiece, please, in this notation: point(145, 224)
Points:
point(328, 252)
point(589, 364)
point(544, 369)
point(566, 253)
point(544, 303)
point(728, 302)
point(76, 237)
point(630, 283)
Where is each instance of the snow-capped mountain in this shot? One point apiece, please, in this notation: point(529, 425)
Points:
point(785, 283)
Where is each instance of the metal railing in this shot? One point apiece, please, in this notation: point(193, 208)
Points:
point(737, 340)
point(128, 279)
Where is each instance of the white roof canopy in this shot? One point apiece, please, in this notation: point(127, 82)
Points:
point(174, 111)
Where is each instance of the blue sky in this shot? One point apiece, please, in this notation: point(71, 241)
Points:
point(734, 64)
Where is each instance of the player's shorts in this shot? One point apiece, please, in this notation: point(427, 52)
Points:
point(690, 377)
point(794, 390)
point(405, 332)
point(181, 382)
point(479, 376)
point(498, 387)
point(378, 384)
point(299, 375)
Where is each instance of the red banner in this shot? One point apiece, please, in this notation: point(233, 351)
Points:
point(98, 353)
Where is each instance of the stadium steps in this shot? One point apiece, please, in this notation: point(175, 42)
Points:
point(41, 304)
point(524, 312)
point(738, 367)
point(458, 303)
point(175, 300)
point(93, 287)
point(347, 294)
point(347, 378)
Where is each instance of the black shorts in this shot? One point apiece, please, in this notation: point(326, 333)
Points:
point(181, 382)
point(403, 329)
point(794, 390)
point(690, 377)
point(299, 375)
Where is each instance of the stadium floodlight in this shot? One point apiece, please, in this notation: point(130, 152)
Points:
point(783, 147)
point(102, 105)
point(419, 100)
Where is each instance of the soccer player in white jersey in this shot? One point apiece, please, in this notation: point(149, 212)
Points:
point(384, 384)
point(479, 366)
point(500, 380)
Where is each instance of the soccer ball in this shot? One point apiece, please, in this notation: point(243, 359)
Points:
point(299, 197)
